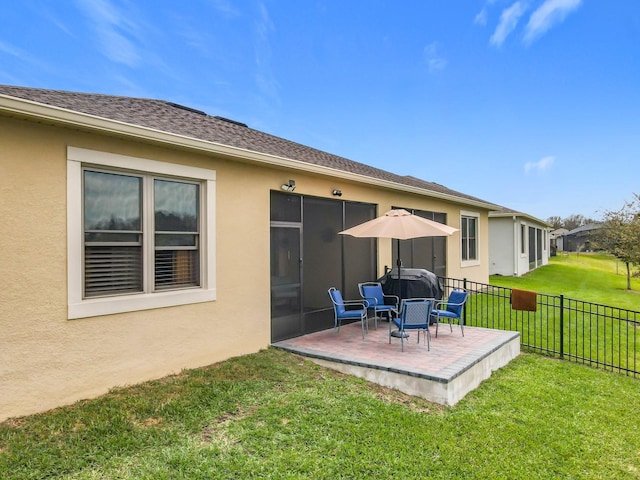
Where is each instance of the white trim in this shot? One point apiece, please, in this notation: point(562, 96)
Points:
point(144, 301)
point(64, 116)
point(74, 233)
point(525, 216)
point(524, 240)
point(79, 307)
point(475, 262)
point(516, 245)
point(140, 164)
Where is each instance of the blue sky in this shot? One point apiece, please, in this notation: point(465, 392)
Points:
point(530, 104)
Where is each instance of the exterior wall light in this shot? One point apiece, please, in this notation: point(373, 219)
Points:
point(337, 193)
point(288, 187)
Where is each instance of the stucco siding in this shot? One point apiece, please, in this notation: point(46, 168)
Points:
point(455, 266)
point(509, 250)
point(47, 360)
point(501, 248)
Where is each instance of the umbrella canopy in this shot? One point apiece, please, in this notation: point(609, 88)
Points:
point(401, 225)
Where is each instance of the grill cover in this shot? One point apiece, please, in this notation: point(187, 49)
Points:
point(416, 283)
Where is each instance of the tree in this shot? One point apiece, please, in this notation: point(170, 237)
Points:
point(574, 221)
point(555, 222)
point(620, 234)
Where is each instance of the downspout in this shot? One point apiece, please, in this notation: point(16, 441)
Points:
point(515, 246)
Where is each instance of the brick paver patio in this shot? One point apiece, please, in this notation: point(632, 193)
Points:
point(451, 354)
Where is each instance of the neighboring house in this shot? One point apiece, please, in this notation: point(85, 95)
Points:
point(518, 243)
point(556, 237)
point(143, 237)
point(580, 239)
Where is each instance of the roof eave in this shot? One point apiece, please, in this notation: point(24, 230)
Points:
point(50, 113)
point(518, 214)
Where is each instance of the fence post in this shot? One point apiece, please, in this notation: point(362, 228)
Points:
point(561, 326)
point(464, 311)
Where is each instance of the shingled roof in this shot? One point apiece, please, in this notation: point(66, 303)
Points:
point(508, 212)
point(172, 118)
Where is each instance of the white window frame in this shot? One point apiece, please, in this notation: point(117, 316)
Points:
point(476, 261)
point(79, 307)
point(524, 240)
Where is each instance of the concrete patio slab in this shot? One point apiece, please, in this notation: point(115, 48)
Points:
point(454, 366)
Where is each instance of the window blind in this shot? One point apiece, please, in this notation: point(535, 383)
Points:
point(112, 270)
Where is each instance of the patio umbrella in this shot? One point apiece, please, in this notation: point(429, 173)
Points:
point(399, 225)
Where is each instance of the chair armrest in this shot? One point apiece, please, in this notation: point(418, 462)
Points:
point(396, 301)
point(455, 304)
point(438, 303)
point(371, 301)
point(354, 303)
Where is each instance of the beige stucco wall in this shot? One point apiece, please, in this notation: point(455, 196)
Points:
point(47, 360)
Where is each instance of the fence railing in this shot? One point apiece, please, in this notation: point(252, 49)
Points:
point(603, 336)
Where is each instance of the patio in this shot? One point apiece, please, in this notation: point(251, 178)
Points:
point(453, 367)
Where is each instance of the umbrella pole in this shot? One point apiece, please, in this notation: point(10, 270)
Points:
point(398, 333)
point(399, 264)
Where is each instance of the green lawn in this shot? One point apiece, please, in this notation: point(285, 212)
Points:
point(596, 278)
point(598, 323)
point(275, 415)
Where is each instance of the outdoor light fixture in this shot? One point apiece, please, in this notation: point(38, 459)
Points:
point(337, 193)
point(289, 187)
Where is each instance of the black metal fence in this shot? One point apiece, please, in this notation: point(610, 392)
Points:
point(598, 335)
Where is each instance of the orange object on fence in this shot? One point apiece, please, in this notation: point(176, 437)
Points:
point(524, 300)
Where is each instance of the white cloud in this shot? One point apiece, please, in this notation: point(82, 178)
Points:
point(540, 166)
point(434, 59)
point(23, 56)
point(10, 50)
point(481, 17)
point(52, 17)
point(508, 22)
point(266, 80)
point(550, 13)
point(226, 8)
point(113, 30)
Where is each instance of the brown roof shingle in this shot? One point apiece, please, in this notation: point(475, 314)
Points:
point(172, 118)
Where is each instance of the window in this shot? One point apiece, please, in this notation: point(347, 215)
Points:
point(523, 239)
point(176, 234)
point(140, 233)
point(425, 252)
point(469, 236)
point(116, 226)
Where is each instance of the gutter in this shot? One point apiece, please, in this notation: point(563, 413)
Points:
point(519, 214)
point(516, 250)
point(57, 115)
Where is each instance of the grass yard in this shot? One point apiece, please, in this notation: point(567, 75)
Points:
point(275, 415)
point(597, 278)
point(598, 324)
